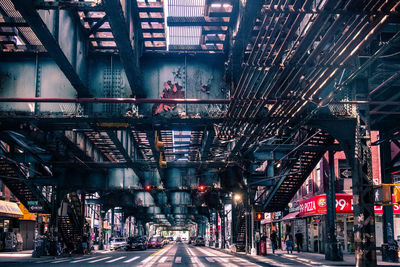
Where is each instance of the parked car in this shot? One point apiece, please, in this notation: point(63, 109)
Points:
point(155, 242)
point(117, 243)
point(165, 241)
point(192, 239)
point(199, 241)
point(136, 242)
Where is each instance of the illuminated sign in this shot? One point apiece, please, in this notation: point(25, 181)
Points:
point(344, 205)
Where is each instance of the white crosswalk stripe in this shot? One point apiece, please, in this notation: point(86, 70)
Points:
point(163, 259)
point(210, 259)
point(117, 259)
point(101, 259)
point(195, 260)
point(226, 262)
point(130, 260)
point(84, 259)
point(59, 261)
point(178, 260)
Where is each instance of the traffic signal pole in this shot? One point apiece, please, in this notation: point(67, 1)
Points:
point(332, 252)
point(387, 216)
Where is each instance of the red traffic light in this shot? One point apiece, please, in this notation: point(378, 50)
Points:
point(202, 188)
point(148, 187)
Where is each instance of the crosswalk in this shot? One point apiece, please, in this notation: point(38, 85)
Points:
point(90, 260)
point(194, 260)
point(195, 257)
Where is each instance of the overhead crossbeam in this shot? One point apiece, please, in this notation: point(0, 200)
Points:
point(129, 55)
point(244, 25)
point(32, 17)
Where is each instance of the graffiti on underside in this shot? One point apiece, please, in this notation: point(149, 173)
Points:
point(170, 91)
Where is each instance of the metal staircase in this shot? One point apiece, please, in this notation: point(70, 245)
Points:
point(240, 240)
point(16, 180)
point(71, 224)
point(296, 171)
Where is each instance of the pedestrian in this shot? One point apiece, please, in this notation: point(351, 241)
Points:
point(273, 238)
point(85, 244)
point(299, 241)
point(289, 243)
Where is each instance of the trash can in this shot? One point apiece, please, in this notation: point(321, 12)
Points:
point(393, 251)
point(263, 247)
point(39, 249)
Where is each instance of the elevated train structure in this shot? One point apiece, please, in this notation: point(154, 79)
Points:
point(168, 108)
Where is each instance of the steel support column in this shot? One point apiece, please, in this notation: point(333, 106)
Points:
point(112, 221)
point(363, 194)
point(387, 218)
point(234, 221)
point(216, 245)
point(223, 227)
point(101, 226)
point(332, 252)
point(129, 226)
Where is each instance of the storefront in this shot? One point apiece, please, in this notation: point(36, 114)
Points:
point(27, 226)
point(313, 210)
point(10, 237)
point(273, 222)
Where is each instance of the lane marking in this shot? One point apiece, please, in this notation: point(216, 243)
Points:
point(178, 260)
point(206, 252)
point(226, 261)
point(105, 251)
point(210, 259)
point(116, 259)
point(153, 257)
point(164, 248)
point(86, 259)
point(47, 261)
point(58, 261)
point(243, 261)
point(101, 259)
point(163, 259)
point(194, 258)
point(130, 260)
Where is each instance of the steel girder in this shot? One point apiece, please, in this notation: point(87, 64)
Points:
point(68, 65)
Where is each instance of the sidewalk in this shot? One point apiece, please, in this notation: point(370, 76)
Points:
point(23, 253)
point(303, 258)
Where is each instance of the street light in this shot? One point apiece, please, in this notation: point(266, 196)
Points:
point(237, 197)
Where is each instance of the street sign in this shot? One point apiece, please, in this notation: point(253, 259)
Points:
point(36, 208)
point(345, 173)
point(33, 203)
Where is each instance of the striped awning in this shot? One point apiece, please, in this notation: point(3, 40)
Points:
point(10, 209)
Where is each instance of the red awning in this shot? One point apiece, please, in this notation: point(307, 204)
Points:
point(290, 216)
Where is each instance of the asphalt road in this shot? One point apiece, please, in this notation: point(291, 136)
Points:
point(176, 255)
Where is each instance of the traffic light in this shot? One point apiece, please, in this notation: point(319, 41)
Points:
point(149, 187)
point(386, 194)
point(396, 194)
point(258, 216)
point(202, 188)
